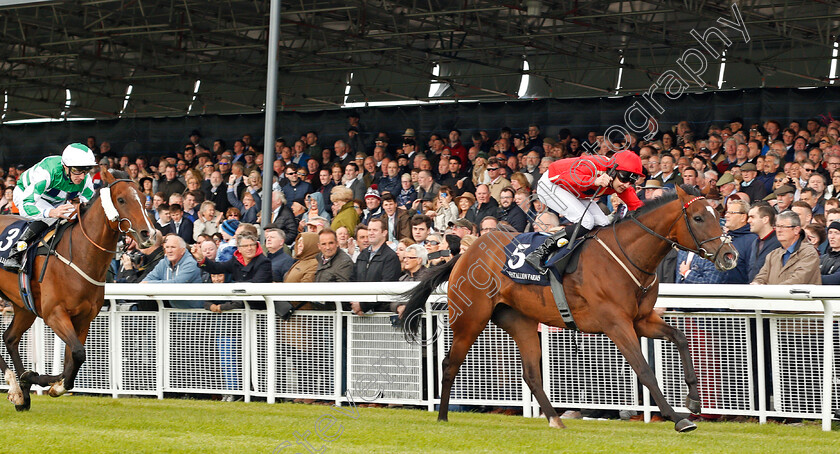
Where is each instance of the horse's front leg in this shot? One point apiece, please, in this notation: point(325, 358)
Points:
point(74, 356)
point(655, 328)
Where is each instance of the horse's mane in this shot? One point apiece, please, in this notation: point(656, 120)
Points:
point(666, 198)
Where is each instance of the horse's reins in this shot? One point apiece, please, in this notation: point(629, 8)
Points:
point(700, 250)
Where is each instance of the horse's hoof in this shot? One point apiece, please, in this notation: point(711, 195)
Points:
point(28, 378)
point(684, 425)
point(16, 398)
point(555, 423)
point(57, 389)
point(24, 407)
point(694, 406)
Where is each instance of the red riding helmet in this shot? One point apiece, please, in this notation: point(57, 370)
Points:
point(628, 161)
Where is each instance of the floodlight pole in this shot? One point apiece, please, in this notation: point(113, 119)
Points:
point(270, 111)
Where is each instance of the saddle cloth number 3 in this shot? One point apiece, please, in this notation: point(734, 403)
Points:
point(10, 239)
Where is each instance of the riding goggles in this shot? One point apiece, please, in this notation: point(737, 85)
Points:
point(625, 176)
point(80, 170)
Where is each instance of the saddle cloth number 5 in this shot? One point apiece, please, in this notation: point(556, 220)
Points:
point(517, 257)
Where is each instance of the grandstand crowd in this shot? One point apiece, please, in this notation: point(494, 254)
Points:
point(371, 207)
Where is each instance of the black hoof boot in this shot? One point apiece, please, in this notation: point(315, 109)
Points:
point(694, 406)
point(684, 425)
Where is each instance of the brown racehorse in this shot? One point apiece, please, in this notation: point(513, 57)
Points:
point(608, 293)
point(66, 300)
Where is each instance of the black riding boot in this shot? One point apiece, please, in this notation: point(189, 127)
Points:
point(32, 231)
point(553, 243)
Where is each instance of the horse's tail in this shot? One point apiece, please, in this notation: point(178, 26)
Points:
point(418, 296)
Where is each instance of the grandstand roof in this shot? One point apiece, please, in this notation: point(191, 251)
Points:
point(96, 49)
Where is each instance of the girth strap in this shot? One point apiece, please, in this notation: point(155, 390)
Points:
point(560, 301)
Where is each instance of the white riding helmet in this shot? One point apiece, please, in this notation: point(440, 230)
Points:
point(77, 155)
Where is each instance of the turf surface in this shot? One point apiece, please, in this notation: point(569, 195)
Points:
point(86, 424)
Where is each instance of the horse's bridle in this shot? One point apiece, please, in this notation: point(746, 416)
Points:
point(699, 250)
point(111, 214)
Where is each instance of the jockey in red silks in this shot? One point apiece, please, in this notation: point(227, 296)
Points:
point(569, 184)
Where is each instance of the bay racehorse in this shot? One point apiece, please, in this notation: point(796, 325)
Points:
point(612, 291)
point(70, 296)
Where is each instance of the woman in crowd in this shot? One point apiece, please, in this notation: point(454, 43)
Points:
point(446, 211)
point(437, 249)
point(207, 220)
point(306, 248)
point(314, 207)
point(345, 215)
point(464, 202)
point(519, 181)
point(327, 158)
point(815, 235)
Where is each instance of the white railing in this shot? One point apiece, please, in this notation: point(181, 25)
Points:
point(336, 356)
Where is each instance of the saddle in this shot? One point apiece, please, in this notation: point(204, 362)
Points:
point(43, 246)
point(563, 261)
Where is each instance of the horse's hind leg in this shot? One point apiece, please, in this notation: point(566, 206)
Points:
point(523, 330)
point(655, 327)
point(465, 331)
point(11, 338)
point(625, 338)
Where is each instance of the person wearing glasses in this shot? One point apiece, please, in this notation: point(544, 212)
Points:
point(296, 188)
point(44, 193)
point(569, 185)
point(796, 261)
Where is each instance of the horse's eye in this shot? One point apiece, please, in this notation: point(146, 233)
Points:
point(121, 200)
point(698, 218)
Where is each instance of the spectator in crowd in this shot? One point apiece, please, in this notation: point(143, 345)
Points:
point(249, 206)
point(427, 188)
point(466, 242)
point(190, 202)
point(795, 262)
point(737, 214)
point(390, 181)
point(228, 245)
point(137, 263)
point(437, 249)
point(296, 188)
point(399, 221)
point(215, 190)
point(488, 224)
point(804, 211)
point(376, 263)
point(275, 245)
point(353, 180)
point(462, 228)
point(373, 205)
point(282, 217)
point(208, 220)
point(415, 259)
point(510, 212)
point(181, 226)
point(344, 215)
point(163, 222)
point(303, 270)
point(171, 184)
point(361, 241)
point(464, 202)
point(248, 264)
point(497, 180)
point(315, 206)
point(316, 224)
point(484, 206)
point(815, 235)
point(446, 211)
point(178, 268)
point(753, 188)
point(830, 261)
point(762, 219)
point(334, 265)
point(421, 226)
point(408, 194)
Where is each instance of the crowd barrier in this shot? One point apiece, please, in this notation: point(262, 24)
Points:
point(763, 351)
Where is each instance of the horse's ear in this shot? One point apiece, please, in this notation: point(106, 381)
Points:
point(681, 192)
point(106, 177)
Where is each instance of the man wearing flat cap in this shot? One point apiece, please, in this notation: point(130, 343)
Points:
point(784, 197)
point(727, 186)
point(750, 185)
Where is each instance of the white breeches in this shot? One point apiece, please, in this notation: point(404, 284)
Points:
point(569, 206)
